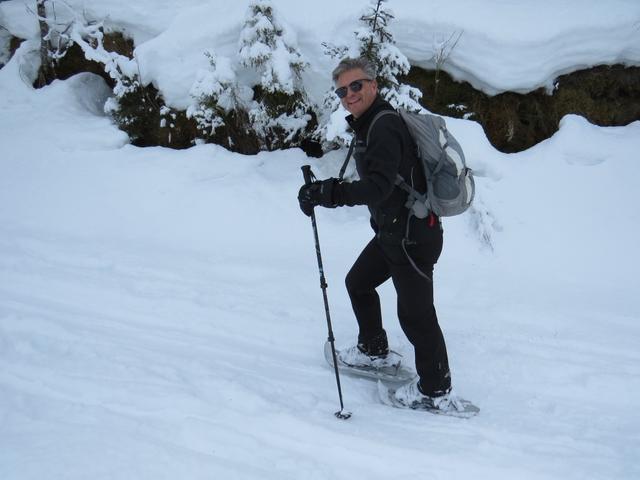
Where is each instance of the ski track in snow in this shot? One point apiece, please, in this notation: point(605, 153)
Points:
point(113, 357)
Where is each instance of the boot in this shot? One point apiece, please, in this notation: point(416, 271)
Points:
point(411, 395)
point(373, 353)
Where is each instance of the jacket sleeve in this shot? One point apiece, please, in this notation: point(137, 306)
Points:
point(382, 157)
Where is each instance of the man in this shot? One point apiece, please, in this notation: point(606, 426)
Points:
point(382, 151)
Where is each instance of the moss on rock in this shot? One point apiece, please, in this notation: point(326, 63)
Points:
point(605, 95)
point(8, 46)
point(14, 44)
point(74, 61)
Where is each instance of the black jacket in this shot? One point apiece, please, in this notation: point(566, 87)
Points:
point(390, 151)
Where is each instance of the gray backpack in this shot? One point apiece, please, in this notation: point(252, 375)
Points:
point(450, 185)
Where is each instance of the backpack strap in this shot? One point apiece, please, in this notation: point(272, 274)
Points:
point(353, 141)
point(375, 119)
point(413, 195)
point(346, 160)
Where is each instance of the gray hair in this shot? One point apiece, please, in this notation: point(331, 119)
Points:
point(346, 64)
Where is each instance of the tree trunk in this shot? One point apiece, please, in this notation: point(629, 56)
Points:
point(45, 63)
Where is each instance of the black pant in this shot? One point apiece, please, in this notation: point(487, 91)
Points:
point(376, 264)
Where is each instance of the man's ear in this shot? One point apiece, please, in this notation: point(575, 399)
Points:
point(375, 85)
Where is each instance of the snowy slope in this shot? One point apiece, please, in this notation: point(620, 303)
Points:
point(160, 314)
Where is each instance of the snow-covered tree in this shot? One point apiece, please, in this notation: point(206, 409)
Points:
point(266, 46)
point(374, 42)
point(331, 132)
point(54, 36)
point(220, 110)
point(89, 36)
point(377, 44)
point(45, 62)
point(282, 114)
point(137, 109)
point(61, 27)
point(216, 94)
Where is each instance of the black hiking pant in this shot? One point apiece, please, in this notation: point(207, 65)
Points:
point(376, 264)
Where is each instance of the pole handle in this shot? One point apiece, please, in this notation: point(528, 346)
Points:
point(306, 173)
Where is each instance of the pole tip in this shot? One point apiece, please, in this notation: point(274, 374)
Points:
point(343, 415)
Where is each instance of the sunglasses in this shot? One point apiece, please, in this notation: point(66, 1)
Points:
point(355, 86)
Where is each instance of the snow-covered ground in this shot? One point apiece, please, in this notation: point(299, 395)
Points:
point(161, 317)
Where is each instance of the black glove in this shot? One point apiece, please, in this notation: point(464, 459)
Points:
point(317, 193)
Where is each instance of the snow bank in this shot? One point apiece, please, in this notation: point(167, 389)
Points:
point(507, 45)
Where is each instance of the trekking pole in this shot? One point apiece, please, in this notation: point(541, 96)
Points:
point(306, 172)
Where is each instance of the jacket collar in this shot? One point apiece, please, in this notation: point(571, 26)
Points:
point(361, 123)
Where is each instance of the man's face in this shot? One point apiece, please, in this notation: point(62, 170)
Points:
point(358, 102)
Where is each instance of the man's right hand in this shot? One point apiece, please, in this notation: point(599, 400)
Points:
point(316, 193)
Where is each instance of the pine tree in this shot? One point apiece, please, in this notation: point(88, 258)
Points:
point(282, 114)
point(219, 110)
point(215, 93)
point(374, 33)
point(332, 131)
point(377, 44)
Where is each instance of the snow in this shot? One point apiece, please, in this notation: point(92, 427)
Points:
point(160, 313)
point(211, 81)
point(505, 45)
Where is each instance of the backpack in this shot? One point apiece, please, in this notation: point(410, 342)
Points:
point(450, 184)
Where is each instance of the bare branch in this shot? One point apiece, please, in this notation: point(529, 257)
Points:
point(441, 54)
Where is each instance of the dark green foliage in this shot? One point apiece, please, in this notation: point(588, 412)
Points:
point(377, 20)
point(143, 115)
point(280, 103)
point(236, 134)
point(233, 130)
